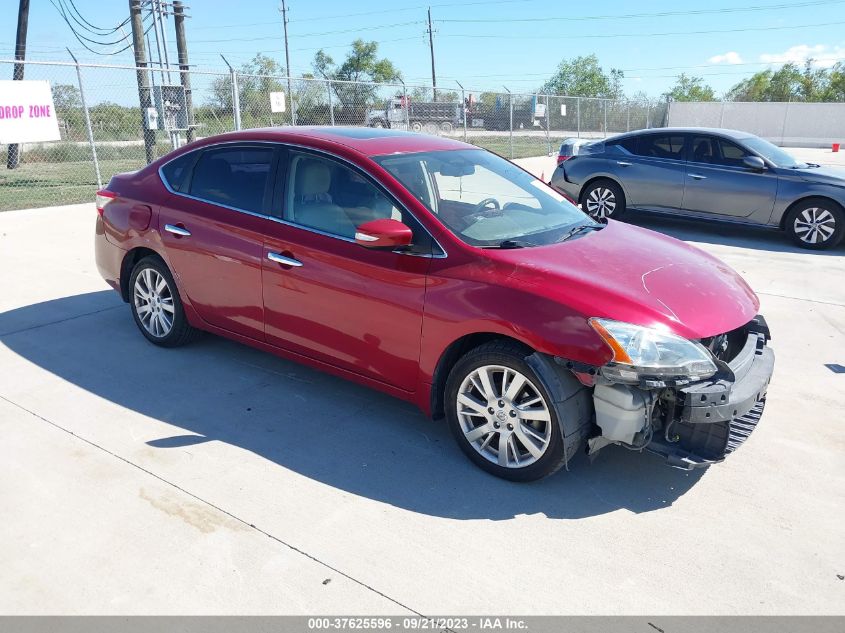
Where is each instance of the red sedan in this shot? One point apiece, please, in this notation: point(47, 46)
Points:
point(445, 275)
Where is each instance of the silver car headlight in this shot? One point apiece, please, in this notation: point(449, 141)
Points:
point(647, 353)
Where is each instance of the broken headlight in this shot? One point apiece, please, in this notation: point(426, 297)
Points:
point(641, 353)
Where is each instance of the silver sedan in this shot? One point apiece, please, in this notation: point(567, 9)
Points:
point(711, 174)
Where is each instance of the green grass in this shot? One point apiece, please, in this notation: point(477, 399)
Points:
point(523, 146)
point(40, 184)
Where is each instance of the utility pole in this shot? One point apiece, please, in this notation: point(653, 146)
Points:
point(14, 157)
point(182, 52)
point(431, 48)
point(141, 76)
point(287, 62)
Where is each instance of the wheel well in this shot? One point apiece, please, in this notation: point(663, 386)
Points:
point(596, 179)
point(801, 201)
point(452, 355)
point(129, 261)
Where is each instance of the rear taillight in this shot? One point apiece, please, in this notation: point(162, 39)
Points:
point(561, 158)
point(103, 197)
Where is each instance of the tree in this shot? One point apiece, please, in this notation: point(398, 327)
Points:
point(66, 97)
point(835, 90)
point(68, 103)
point(688, 88)
point(584, 77)
point(751, 89)
point(362, 64)
point(257, 78)
point(788, 83)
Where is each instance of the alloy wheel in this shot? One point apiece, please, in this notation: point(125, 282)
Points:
point(815, 225)
point(503, 416)
point(153, 300)
point(601, 203)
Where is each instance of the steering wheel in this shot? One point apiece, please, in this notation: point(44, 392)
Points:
point(481, 207)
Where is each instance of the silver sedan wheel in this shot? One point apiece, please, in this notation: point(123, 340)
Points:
point(504, 416)
point(814, 225)
point(153, 300)
point(601, 203)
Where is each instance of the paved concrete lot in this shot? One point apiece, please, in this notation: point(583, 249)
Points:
point(218, 479)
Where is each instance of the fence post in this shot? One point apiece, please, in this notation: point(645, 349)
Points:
point(88, 128)
point(578, 112)
point(647, 115)
point(331, 102)
point(510, 109)
point(406, 107)
point(605, 118)
point(628, 110)
point(464, 107)
point(236, 100)
point(549, 123)
point(292, 102)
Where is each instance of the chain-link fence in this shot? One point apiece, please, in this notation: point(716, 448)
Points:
point(105, 130)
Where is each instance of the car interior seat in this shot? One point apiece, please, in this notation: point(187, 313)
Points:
point(312, 203)
point(703, 152)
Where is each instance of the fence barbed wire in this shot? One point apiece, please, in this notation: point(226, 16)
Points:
point(102, 125)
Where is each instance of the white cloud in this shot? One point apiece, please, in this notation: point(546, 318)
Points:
point(823, 55)
point(731, 57)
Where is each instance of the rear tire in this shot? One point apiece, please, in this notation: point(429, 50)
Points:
point(416, 126)
point(520, 418)
point(815, 223)
point(603, 199)
point(156, 306)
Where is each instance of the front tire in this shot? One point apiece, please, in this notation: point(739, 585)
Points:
point(501, 415)
point(603, 200)
point(156, 306)
point(816, 224)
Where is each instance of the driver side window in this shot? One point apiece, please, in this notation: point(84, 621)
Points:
point(325, 195)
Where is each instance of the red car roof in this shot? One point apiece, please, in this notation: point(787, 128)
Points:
point(366, 140)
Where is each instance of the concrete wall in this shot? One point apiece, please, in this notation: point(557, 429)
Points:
point(787, 124)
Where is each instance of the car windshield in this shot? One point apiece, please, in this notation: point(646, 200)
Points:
point(772, 153)
point(486, 200)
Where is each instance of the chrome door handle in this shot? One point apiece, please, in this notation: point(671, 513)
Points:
point(623, 163)
point(177, 230)
point(281, 259)
point(697, 177)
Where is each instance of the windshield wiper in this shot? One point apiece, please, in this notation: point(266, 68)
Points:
point(578, 229)
point(510, 244)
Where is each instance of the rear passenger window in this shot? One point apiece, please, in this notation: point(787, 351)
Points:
point(661, 146)
point(623, 146)
point(175, 171)
point(233, 176)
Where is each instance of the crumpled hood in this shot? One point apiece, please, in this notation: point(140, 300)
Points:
point(631, 274)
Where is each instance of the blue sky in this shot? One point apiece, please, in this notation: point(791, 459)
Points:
point(487, 45)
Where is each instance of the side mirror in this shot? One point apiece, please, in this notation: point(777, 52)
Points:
point(754, 163)
point(386, 233)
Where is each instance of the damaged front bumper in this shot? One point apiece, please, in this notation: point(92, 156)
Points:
point(712, 418)
point(693, 425)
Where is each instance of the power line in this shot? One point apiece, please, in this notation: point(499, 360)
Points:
point(88, 26)
point(661, 14)
point(368, 13)
point(609, 35)
point(83, 39)
point(377, 27)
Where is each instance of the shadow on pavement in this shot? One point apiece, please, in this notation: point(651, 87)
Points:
point(325, 428)
point(695, 230)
